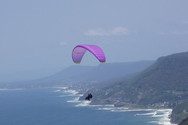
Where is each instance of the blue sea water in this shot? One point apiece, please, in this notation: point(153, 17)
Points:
point(48, 106)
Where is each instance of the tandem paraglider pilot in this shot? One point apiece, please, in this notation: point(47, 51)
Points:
point(89, 96)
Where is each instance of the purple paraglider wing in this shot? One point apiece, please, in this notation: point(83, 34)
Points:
point(79, 51)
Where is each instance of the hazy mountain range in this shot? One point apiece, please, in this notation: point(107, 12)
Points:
point(84, 76)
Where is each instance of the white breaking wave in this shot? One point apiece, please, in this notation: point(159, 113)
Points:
point(75, 100)
point(121, 109)
point(161, 115)
point(146, 114)
point(83, 103)
point(67, 92)
point(162, 123)
point(71, 95)
point(57, 91)
point(73, 92)
point(61, 87)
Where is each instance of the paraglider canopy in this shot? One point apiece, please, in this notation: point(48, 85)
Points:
point(79, 51)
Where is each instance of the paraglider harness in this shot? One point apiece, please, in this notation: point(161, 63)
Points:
point(89, 97)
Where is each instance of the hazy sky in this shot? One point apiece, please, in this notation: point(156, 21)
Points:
point(40, 34)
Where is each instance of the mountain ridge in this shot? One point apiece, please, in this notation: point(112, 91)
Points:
point(162, 85)
point(83, 76)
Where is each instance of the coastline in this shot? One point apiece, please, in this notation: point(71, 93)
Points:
point(162, 115)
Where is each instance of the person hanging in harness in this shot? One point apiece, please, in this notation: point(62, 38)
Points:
point(89, 96)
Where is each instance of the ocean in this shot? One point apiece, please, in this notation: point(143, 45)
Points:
point(60, 106)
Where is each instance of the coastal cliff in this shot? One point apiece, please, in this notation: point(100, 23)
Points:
point(162, 85)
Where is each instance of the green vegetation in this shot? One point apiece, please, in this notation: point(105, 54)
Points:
point(184, 122)
point(162, 85)
point(180, 112)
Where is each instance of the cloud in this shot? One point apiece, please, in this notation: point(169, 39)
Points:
point(62, 43)
point(102, 32)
